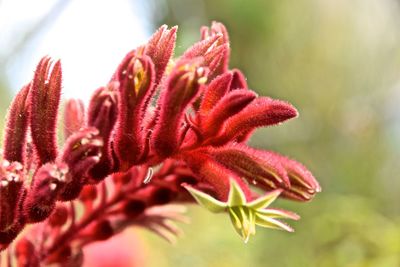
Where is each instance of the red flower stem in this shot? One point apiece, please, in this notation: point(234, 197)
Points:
point(104, 195)
point(72, 232)
point(95, 214)
point(73, 214)
point(9, 260)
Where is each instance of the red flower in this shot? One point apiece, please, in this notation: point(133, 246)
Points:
point(159, 126)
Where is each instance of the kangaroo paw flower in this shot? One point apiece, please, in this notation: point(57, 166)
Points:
point(245, 215)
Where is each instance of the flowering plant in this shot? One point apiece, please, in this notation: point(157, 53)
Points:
point(160, 134)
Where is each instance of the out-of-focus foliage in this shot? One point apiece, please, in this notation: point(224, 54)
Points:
point(338, 62)
point(335, 231)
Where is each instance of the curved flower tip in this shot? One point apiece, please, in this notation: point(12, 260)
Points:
point(246, 215)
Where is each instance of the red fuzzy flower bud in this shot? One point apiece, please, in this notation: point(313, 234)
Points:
point(182, 87)
point(41, 197)
point(102, 230)
point(133, 208)
point(161, 195)
point(88, 193)
point(102, 115)
point(238, 81)
point(214, 174)
point(44, 100)
point(263, 111)
point(218, 29)
point(11, 191)
point(213, 51)
point(59, 216)
point(136, 78)
point(74, 116)
point(16, 128)
point(252, 165)
point(303, 185)
point(160, 49)
point(9, 234)
point(214, 92)
point(81, 152)
point(228, 106)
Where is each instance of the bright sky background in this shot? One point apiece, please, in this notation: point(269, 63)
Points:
point(90, 37)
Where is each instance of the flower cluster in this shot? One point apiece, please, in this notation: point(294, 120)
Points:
point(162, 131)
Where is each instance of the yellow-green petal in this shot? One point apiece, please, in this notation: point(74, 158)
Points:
point(236, 196)
point(207, 201)
point(265, 200)
point(268, 222)
point(278, 214)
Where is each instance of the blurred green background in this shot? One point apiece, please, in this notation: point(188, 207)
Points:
point(338, 62)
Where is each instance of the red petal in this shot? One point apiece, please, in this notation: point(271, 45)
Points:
point(228, 106)
point(215, 174)
point(217, 88)
point(254, 165)
point(262, 111)
point(239, 80)
point(303, 184)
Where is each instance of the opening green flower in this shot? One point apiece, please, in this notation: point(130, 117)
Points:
point(246, 215)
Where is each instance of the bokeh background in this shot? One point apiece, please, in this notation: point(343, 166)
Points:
point(337, 61)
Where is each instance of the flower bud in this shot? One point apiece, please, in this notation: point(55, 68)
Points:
point(47, 183)
point(81, 152)
point(59, 216)
point(252, 164)
point(263, 111)
point(181, 89)
point(101, 231)
point(16, 127)
point(102, 111)
point(11, 191)
point(161, 195)
point(133, 208)
point(303, 185)
point(8, 235)
point(88, 193)
point(218, 29)
point(44, 100)
point(229, 105)
point(238, 80)
point(213, 52)
point(74, 116)
point(160, 49)
point(199, 49)
point(214, 174)
point(136, 78)
point(216, 60)
point(214, 92)
point(102, 115)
